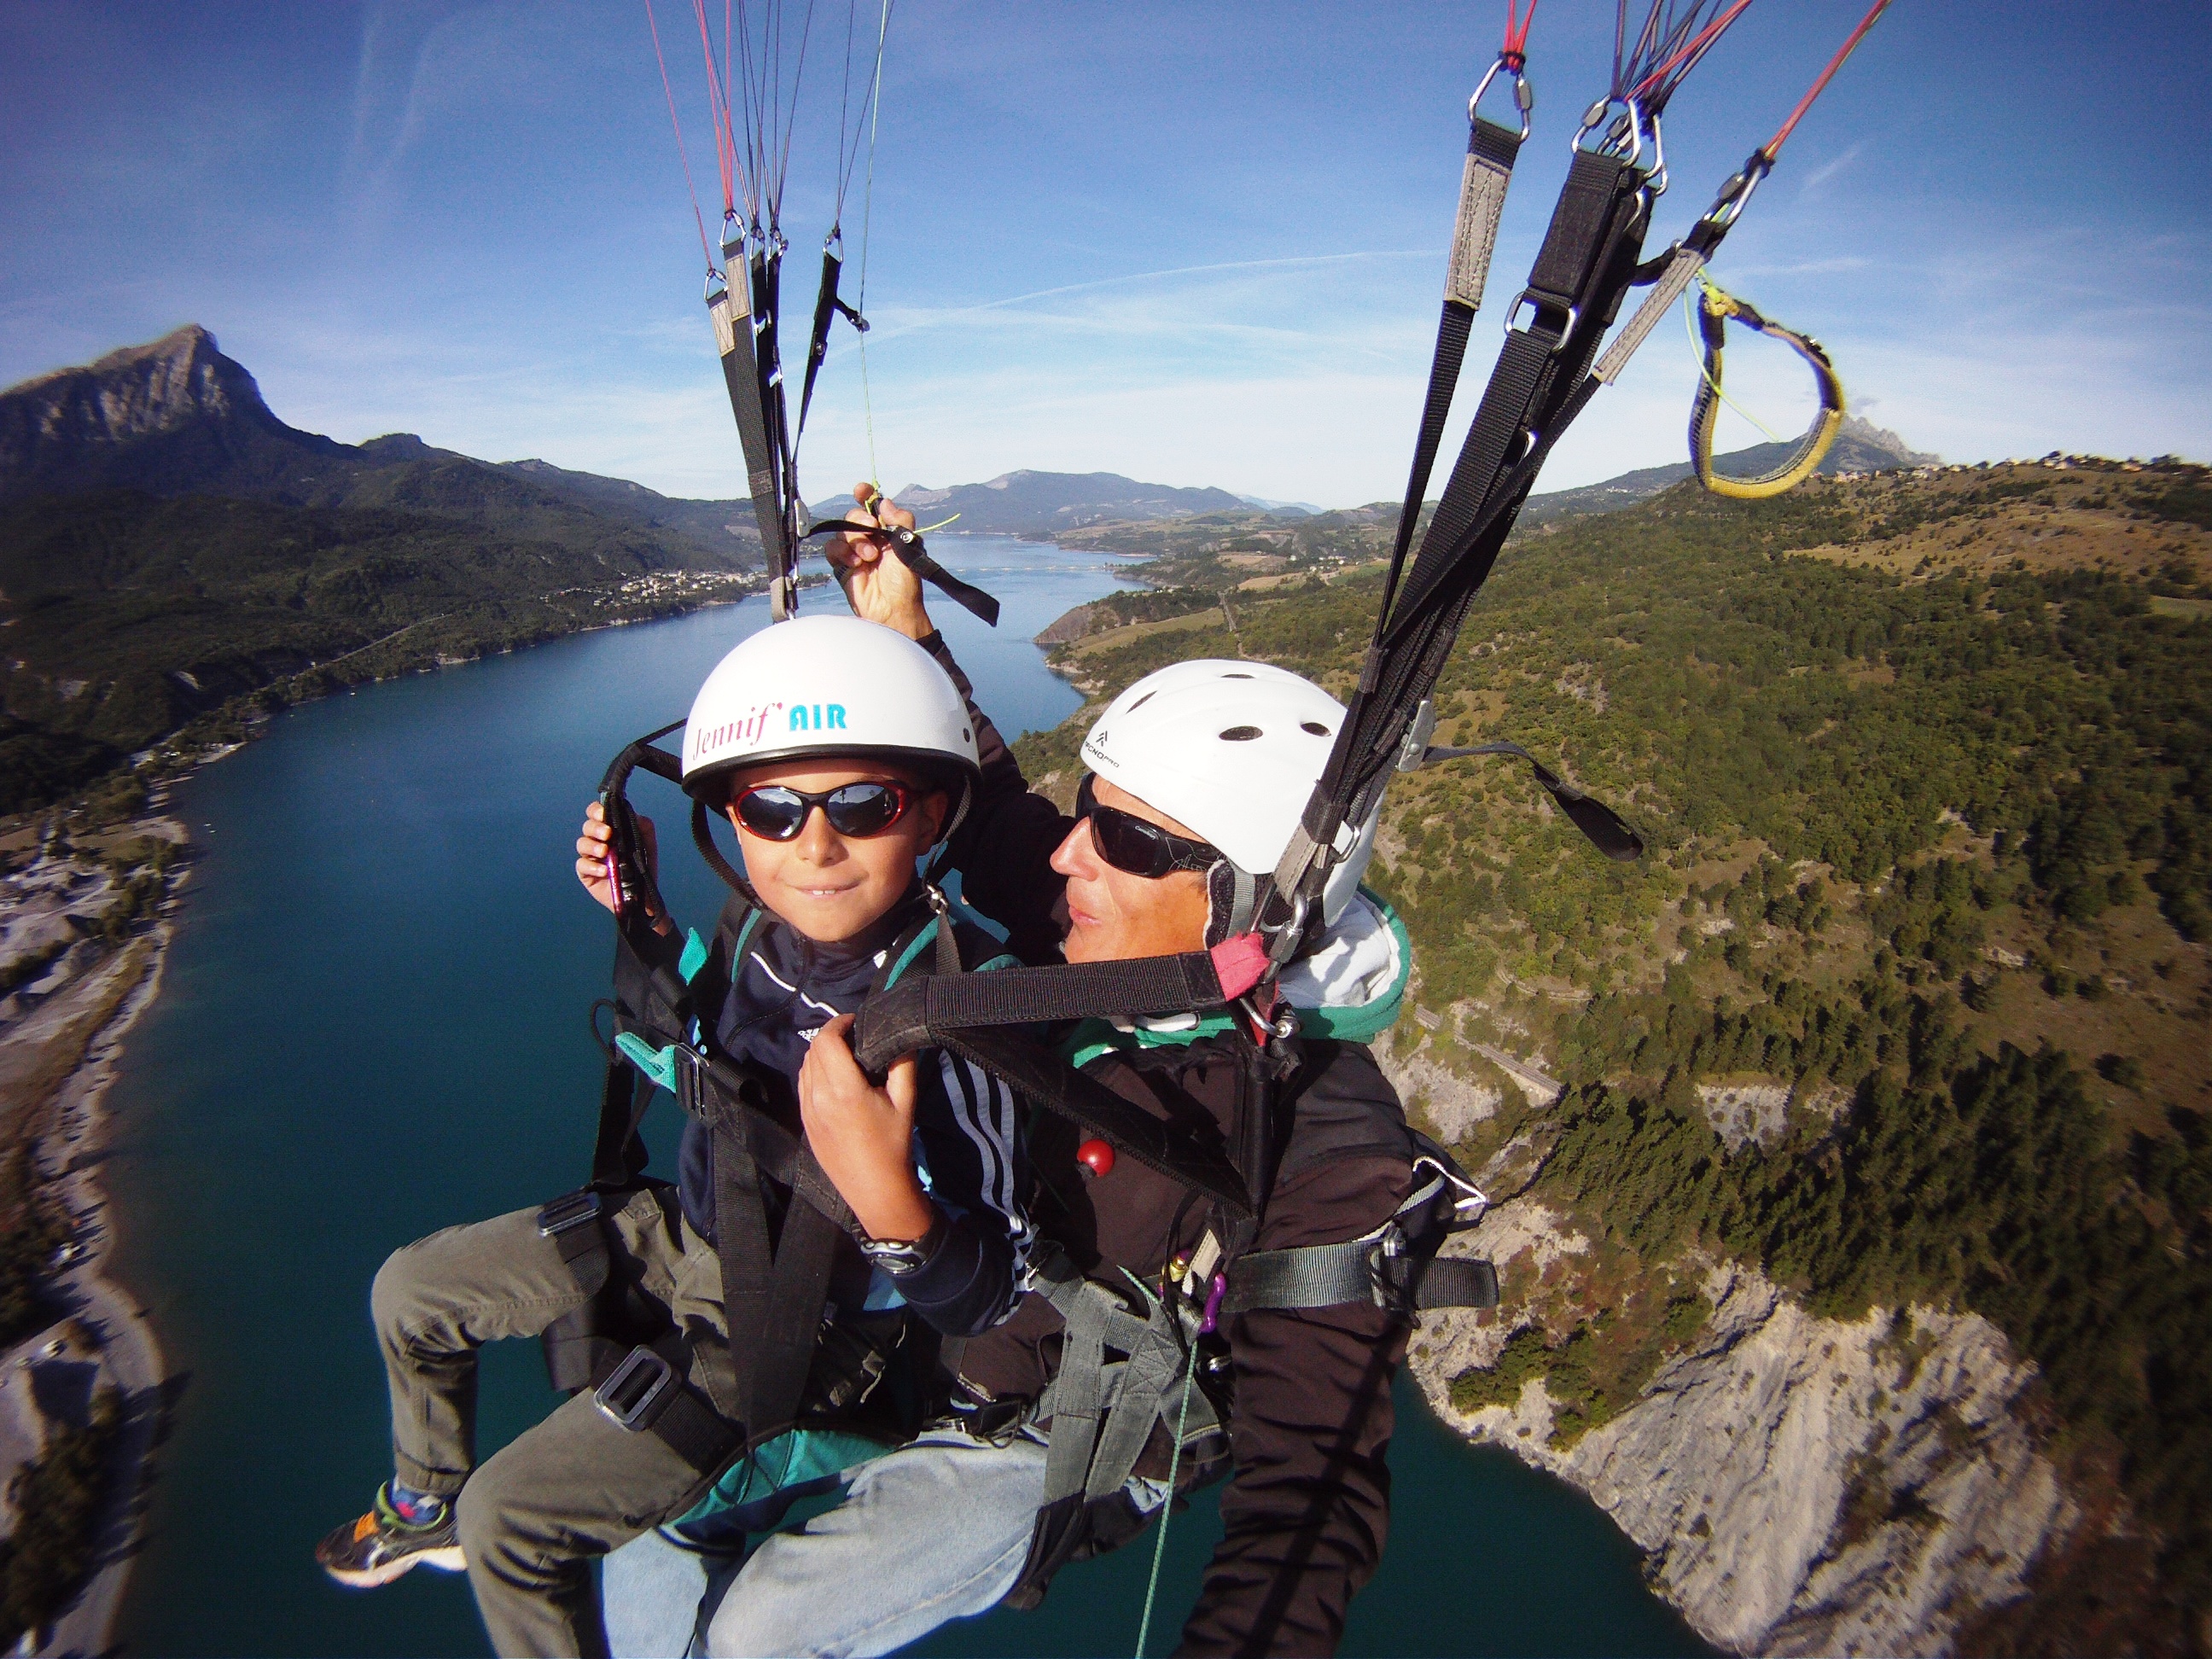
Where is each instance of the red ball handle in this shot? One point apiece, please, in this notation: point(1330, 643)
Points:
point(1096, 1156)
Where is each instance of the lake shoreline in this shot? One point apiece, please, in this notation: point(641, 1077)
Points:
point(67, 1137)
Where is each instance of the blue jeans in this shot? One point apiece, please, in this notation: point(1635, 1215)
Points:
point(936, 1530)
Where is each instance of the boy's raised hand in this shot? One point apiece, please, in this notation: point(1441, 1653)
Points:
point(863, 1136)
point(593, 842)
point(875, 578)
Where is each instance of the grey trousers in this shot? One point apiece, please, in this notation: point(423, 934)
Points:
point(575, 1485)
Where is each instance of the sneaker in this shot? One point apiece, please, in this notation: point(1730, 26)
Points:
point(380, 1545)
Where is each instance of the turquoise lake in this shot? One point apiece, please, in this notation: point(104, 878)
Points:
point(372, 1024)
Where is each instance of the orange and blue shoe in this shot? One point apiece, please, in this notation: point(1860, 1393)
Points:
point(385, 1542)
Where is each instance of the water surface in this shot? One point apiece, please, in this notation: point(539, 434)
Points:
point(373, 1025)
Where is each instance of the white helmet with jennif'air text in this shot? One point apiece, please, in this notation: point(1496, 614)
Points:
point(833, 687)
point(1233, 750)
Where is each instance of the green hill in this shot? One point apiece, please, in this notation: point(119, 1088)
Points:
point(173, 557)
point(129, 617)
point(1925, 766)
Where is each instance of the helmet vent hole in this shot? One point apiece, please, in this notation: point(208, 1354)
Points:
point(1313, 727)
point(1236, 676)
point(1142, 701)
point(1241, 733)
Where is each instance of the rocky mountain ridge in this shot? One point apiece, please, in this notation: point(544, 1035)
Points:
point(1860, 446)
point(1039, 504)
point(1799, 1484)
point(176, 417)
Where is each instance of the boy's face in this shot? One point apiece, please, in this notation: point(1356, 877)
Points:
point(831, 886)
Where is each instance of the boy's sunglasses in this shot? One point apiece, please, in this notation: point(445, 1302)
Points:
point(775, 811)
point(1130, 844)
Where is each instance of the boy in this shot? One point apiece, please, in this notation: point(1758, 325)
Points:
point(842, 756)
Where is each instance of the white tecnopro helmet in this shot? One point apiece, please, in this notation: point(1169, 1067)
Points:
point(1233, 750)
point(831, 686)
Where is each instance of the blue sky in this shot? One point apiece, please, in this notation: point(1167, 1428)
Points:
point(1197, 244)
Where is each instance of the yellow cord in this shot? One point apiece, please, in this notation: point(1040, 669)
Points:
point(867, 205)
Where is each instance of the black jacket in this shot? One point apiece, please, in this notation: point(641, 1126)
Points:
point(1306, 1512)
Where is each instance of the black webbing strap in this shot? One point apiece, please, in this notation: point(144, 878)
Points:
point(741, 1234)
point(1492, 150)
point(1189, 1154)
point(981, 1017)
point(1359, 1270)
point(1540, 383)
point(798, 1289)
point(768, 312)
point(917, 557)
point(827, 306)
point(913, 1014)
point(741, 376)
point(648, 1390)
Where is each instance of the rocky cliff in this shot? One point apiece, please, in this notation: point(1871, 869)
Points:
point(1800, 1486)
point(159, 417)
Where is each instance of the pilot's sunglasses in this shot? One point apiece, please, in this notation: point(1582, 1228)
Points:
point(775, 811)
point(1130, 844)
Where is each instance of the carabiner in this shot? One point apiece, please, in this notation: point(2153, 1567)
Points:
point(1524, 96)
point(1735, 195)
point(1631, 118)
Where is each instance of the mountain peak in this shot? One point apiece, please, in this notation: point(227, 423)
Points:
point(181, 379)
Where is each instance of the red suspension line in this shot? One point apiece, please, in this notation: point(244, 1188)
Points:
point(1836, 63)
point(682, 154)
point(718, 102)
point(1514, 54)
point(1686, 58)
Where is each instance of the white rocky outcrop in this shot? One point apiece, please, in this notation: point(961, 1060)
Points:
point(1450, 1105)
point(1800, 1486)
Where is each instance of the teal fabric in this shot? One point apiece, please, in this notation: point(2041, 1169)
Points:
point(694, 957)
point(1342, 1022)
point(659, 1064)
point(783, 1469)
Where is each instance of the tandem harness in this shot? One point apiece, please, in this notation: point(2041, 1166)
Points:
point(1135, 1364)
point(780, 1224)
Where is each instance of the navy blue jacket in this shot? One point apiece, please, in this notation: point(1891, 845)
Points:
point(785, 987)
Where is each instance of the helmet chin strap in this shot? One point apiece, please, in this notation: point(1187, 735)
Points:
point(1232, 897)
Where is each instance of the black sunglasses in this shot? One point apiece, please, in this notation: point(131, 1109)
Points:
point(775, 811)
point(1135, 847)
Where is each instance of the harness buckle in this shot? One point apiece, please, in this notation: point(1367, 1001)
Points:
point(568, 1211)
point(1541, 303)
point(634, 1389)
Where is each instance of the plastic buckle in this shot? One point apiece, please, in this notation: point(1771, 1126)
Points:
point(568, 1211)
point(628, 1395)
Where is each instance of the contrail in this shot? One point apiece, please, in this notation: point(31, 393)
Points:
point(1152, 277)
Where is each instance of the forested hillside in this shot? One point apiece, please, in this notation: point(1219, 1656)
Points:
point(1925, 767)
point(175, 560)
point(127, 617)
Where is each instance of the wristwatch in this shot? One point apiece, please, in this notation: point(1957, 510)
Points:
point(898, 1257)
